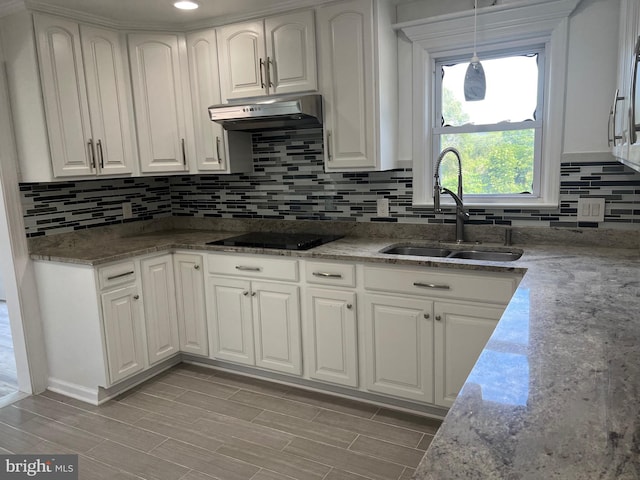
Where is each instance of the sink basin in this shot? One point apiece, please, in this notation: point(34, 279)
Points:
point(492, 256)
point(416, 250)
point(497, 255)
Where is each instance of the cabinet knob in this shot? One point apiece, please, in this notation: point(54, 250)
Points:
point(253, 294)
point(197, 267)
point(136, 297)
point(245, 293)
point(349, 306)
point(438, 317)
point(426, 315)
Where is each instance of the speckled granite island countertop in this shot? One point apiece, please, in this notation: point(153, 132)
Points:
point(556, 392)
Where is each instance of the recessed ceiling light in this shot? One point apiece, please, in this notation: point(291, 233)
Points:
point(186, 5)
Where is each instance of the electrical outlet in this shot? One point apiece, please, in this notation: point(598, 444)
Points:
point(127, 210)
point(383, 207)
point(591, 209)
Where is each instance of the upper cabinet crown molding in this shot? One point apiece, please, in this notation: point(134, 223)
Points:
point(495, 24)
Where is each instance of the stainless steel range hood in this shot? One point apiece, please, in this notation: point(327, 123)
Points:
point(301, 111)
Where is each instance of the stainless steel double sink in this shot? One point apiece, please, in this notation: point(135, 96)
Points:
point(474, 253)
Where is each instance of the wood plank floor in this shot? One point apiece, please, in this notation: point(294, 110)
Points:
point(8, 375)
point(194, 423)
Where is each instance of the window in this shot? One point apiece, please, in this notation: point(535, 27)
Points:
point(535, 33)
point(500, 137)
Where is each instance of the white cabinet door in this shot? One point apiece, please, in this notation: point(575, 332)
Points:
point(192, 321)
point(331, 336)
point(276, 322)
point(398, 346)
point(123, 332)
point(229, 319)
point(291, 46)
point(108, 103)
point(346, 48)
point(158, 288)
point(242, 60)
point(461, 332)
point(205, 91)
point(65, 96)
point(159, 101)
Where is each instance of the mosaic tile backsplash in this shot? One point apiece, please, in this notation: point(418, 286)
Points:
point(289, 183)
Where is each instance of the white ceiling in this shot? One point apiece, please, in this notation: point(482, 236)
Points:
point(159, 13)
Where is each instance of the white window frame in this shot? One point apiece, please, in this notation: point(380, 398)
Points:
point(537, 124)
point(509, 26)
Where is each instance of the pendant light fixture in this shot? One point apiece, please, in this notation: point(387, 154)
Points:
point(475, 83)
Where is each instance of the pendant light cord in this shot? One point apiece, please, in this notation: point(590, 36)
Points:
point(475, 26)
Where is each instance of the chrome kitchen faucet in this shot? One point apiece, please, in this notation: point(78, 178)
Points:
point(461, 213)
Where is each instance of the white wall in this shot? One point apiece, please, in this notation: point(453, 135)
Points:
point(591, 75)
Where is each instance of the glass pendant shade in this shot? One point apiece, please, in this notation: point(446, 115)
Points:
point(475, 83)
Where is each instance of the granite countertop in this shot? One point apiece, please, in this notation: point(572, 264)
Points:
point(556, 391)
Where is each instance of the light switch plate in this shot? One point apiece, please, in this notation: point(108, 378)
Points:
point(383, 207)
point(127, 210)
point(591, 209)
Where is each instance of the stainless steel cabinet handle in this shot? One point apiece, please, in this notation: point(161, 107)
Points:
point(136, 297)
point(184, 153)
point(262, 65)
point(438, 318)
point(248, 269)
point(329, 155)
point(269, 65)
point(435, 286)
point(218, 150)
point(327, 275)
point(92, 153)
point(120, 275)
point(100, 153)
point(610, 125)
point(614, 112)
point(197, 267)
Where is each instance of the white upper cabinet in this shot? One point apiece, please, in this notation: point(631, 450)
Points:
point(277, 55)
point(625, 115)
point(158, 63)
point(84, 97)
point(358, 58)
point(214, 145)
point(291, 50)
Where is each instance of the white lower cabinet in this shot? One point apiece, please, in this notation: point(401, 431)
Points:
point(253, 319)
point(399, 346)
point(461, 332)
point(276, 326)
point(256, 323)
point(192, 318)
point(332, 336)
point(123, 333)
point(161, 316)
point(229, 311)
point(425, 328)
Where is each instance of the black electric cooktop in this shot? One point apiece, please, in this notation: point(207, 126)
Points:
point(281, 241)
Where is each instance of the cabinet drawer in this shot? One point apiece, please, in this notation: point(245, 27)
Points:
point(118, 274)
point(254, 267)
point(325, 273)
point(428, 282)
